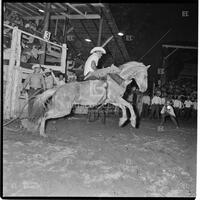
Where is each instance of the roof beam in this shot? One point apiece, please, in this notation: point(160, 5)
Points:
point(51, 9)
point(84, 5)
point(88, 16)
point(78, 11)
point(41, 17)
point(87, 32)
point(25, 7)
point(12, 7)
point(34, 6)
point(62, 17)
point(179, 46)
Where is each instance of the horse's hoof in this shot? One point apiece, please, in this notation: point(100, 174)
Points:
point(43, 135)
point(133, 124)
point(122, 121)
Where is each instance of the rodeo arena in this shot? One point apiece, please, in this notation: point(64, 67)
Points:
point(97, 103)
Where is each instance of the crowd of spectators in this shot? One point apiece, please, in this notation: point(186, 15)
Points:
point(182, 95)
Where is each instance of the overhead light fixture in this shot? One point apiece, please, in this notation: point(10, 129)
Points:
point(41, 10)
point(88, 40)
point(120, 34)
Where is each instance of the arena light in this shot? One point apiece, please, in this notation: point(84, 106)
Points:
point(41, 10)
point(88, 40)
point(120, 34)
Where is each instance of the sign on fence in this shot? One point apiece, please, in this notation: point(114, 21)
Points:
point(47, 35)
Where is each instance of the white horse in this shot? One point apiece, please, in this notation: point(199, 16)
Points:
point(91, 92)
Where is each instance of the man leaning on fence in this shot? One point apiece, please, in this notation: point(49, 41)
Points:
point(37, 86)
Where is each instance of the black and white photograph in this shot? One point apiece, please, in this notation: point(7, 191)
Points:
point(99, 99)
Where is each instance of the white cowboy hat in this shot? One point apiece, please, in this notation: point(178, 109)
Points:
point(35, 66)
point(98, 49)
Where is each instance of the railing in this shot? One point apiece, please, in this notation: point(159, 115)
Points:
point(55, 53)
point(8, 26)
point(14, 73)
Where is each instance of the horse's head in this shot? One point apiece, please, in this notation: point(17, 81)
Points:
point(135, 70)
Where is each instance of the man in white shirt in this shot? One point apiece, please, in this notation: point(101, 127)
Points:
point(92, 61)
point(188, 108)
point(178, 105)
point(168, 110)
point(155, 105)
point(146, 103)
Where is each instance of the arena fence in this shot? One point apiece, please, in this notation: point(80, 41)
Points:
point(15, 71)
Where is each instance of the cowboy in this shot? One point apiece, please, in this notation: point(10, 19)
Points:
point(92, 61)
point(36, 83)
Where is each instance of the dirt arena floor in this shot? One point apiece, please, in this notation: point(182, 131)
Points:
point(81, 158)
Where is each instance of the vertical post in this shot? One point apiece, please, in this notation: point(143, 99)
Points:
point(46, 27)
point(100, 32)
point(56, 27)
point(9, 84)
point(65, 31)
point(17, 79)
point(64, 28)
point(63, 58)
point(153, 87)
point(65, 67)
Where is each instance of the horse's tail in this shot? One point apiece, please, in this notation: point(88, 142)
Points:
point(40, 104)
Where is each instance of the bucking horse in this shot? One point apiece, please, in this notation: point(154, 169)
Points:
point(58, 102)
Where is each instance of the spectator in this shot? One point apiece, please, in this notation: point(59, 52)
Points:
point(49, 79)
point(163, 100)
point(166, 111)
point(155, 105)
point(59, 81)
point(178, 105)
point(34, 54)
point(188, 107)
point(146, 104)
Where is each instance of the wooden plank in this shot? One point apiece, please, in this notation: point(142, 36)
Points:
point(17, 86)
point(9, 85)
point(63, 58)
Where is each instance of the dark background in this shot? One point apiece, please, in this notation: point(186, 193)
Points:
point(148, 22)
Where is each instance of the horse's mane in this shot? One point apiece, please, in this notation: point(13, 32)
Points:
point(131, 68)
point(133, 64)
